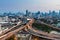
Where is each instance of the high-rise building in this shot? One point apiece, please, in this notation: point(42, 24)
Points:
point(0, 29)
point(27, 13)
point(53, 13)
point(59, 12)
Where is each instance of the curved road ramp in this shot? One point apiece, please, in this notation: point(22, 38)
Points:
point(29, 29)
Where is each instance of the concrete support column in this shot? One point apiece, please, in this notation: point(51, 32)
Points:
point(30, 37)
point(15, 38)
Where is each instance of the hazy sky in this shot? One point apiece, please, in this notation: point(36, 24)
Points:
point(31, 5)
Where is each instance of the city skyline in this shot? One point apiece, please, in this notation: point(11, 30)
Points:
point(31, 5)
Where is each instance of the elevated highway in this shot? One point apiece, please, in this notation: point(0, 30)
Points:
point(28, 28)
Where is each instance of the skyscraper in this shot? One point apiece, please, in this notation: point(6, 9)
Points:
point(27, 13)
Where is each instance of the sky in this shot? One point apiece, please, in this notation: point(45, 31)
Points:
point(31, 5)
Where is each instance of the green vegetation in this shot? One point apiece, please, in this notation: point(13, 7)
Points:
point(42, 27)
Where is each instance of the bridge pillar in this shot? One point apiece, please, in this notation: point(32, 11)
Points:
point(13, 37)
point(30, 37)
